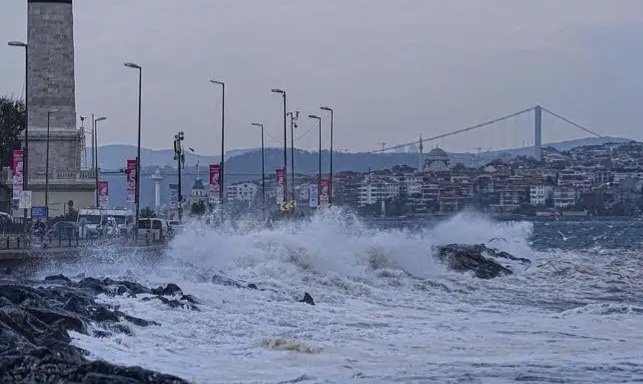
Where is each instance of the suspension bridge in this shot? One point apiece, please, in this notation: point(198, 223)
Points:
point(537, 130)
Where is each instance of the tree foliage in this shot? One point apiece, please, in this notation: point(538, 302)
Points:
point(148, 213)
point(12, 123)
point(198, 208)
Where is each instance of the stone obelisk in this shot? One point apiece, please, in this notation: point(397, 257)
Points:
point(50, 29)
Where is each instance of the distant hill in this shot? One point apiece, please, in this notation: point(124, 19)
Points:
point(246, 164)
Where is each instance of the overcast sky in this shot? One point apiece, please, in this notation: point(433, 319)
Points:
point(392, 69)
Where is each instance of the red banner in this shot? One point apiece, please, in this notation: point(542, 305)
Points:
point(324, 194)
point(215, 178)
point(103, 193)
point(279, 174)
point(130, 173)
point(17, 174)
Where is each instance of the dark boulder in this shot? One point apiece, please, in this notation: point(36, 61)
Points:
point(35, 346)
point(307, 299)
point(169, 290)
point(58, 279)
point(478, 259)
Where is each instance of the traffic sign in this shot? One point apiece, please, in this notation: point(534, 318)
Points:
point(287, 205)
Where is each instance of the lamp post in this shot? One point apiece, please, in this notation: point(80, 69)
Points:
point(47, 162)
point(263, 174)
point(330, 176)
point(285, 197)
point(179, 156)
point(96, 155)
point(221, 177)
point(319, 120)
point(25, 155)
point(293, 124)
point(137, 192)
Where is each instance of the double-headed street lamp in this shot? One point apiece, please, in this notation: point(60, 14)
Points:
point(263, 174)
point(95, 154)
point(285, 197)
point(221, 177)
point(25, 154)
point(137, 193)
point(330, 177)
point(319, 120)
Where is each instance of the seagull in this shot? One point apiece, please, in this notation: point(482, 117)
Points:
point(565, 238)
point(497, 239)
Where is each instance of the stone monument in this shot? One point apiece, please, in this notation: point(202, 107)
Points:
point(50, 29)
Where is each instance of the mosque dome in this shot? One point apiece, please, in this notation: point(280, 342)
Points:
point(436, 160)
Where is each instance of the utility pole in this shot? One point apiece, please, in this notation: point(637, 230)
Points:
point(221, 177)
point(263, 174)
point(319, 174)
point(137, 194)
point(179, 156)
point(283, 93)
point(330, 177)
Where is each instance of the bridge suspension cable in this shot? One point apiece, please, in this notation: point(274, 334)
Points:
point(571, 122)
point(467, 129)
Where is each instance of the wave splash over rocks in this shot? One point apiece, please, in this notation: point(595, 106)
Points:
point(459, 300)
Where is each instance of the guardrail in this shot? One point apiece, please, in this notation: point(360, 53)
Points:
point(25, 242)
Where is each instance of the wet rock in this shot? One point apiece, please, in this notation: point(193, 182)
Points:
point(173, 303)
point(222, 280)
point(58, 279)
point(478, 259)
point(252, 286)
point(190, 299)
point(169, 290)
point(35, 346)
point(307, 299)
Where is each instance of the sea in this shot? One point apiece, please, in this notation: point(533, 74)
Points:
point(386, 310)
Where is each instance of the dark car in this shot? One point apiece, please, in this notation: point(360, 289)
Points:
point(64, 230)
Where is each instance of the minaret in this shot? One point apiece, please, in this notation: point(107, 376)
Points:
point(50, 70)
point(157, 177)
point(421, 159)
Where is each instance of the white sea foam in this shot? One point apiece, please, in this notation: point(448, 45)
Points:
point(385, 310)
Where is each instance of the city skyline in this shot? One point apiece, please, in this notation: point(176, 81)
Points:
point(391, 71)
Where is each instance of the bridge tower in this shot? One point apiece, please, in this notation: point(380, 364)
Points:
point(538, 131)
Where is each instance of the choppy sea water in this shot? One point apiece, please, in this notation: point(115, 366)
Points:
point(386, 310)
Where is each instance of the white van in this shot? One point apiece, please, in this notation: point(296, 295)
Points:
point(153, 230)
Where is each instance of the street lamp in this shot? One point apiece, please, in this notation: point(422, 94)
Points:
point(263, 174)
point(221, 178)
point(293, 124)
point(95, 139)
point(137, 192)
point(47, 162)
point(285, 197)
point(330, 177)
point(319, 120)
point(25, 155)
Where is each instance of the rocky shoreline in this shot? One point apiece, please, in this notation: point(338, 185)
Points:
point(35, 316)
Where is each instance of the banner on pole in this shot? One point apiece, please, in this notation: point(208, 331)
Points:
point(312, 196)
point(25, 200)
point(324, 194)
point(103, 194)
point(215, 178)
point(17, 173)
point(174, 196)
point(130, 173)
point(279, 173)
